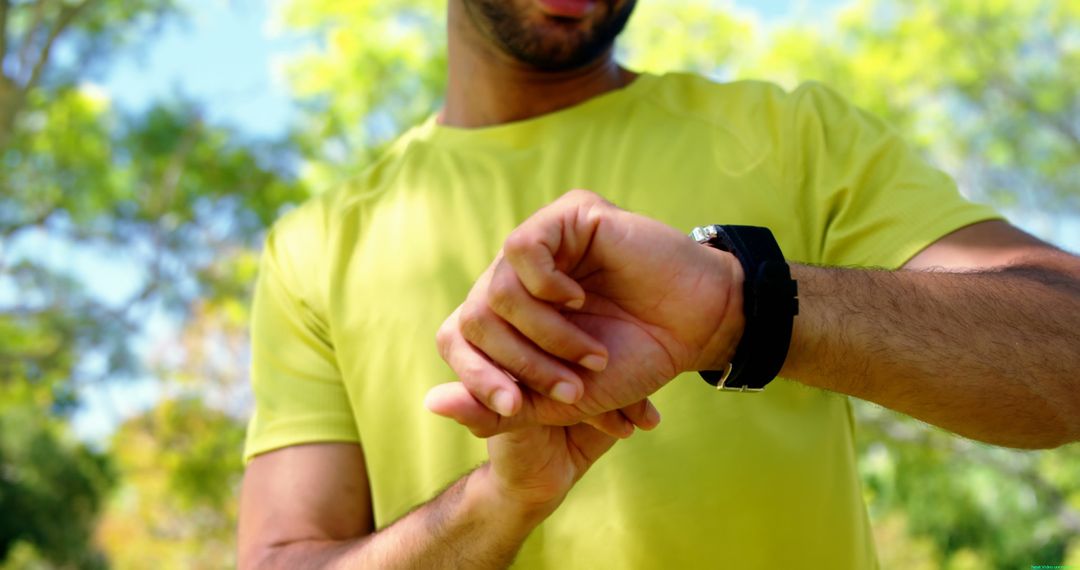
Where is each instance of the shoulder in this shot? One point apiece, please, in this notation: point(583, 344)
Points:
point(816, 106)
point(747, 101)
point(317, 222)
point(694, 96)
point(306, 244)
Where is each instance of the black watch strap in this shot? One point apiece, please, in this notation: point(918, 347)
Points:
point(770, 303)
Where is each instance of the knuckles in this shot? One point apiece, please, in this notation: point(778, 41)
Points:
point(472, 377)
point(471, 323)
point(517, 243)
point(581, 196)
point(503, 292)
point(444, 338)
point(524, 368)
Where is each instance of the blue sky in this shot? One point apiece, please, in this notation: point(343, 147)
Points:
point(222, 56)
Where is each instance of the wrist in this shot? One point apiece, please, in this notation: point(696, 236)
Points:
point(803, 331)
point(491, 500)
point(770, 304)
point(726, 277)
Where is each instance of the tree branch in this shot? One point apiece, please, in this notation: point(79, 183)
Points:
point(63, 22)
point(4, 5)
point(1010, 90)
point(31, 31)
point(36, 220)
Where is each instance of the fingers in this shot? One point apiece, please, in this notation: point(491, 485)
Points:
point(535, 265)
point(488, 355)
point(539, 321)
point(522, 360)
point(551, 237)
point(534, 249)
point(453, 400)
point(489, 383)
point(611, 423)
point(642, 414)
point(488, 401)
point(621, 423)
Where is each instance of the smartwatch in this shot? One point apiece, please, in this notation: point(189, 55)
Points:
point(770, 303)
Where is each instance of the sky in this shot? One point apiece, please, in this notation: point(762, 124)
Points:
point(224, 56)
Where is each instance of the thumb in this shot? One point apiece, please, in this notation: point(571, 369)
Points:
point(590, 443)
point(453, 400)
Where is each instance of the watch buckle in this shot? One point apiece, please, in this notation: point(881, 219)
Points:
point(722, 384)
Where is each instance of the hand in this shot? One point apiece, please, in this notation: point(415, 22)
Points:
point(531, 469)
point(592, 306)
point(473, 364)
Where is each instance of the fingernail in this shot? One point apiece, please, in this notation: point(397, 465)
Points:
point(565, 392)
point(652, 416)
point(575, 304)
point(628, 429)
point(503, 402)
point(594, 362)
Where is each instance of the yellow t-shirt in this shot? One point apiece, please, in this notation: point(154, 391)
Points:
point(355, 283)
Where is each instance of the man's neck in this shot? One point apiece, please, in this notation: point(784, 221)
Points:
point(487, 87)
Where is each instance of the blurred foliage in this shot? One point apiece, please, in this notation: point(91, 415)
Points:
point(181, 466)
point(381, 66)
point(181, 202)
point(987, 89)
point(45, 477)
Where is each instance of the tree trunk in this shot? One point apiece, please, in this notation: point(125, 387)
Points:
point(11, 98)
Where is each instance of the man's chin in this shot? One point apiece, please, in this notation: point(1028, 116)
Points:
point(553, 35)
point(558, 52)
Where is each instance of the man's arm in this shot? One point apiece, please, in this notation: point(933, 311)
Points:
point(988, 350)
point(309, 506)
point(980, 334)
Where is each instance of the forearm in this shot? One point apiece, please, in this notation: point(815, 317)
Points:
point(466, 526)
point(991, 355)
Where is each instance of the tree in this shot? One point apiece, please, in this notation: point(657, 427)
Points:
point(381, 69)
point(987, 89)
point(50, 490)
point(182, 202)
point(180, 466)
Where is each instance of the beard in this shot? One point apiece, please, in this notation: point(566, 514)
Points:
point(549, 43)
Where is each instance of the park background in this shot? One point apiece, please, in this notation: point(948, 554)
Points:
point(146, 145)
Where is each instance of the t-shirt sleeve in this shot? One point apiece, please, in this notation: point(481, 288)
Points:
point(876, 201)
point(298, 390)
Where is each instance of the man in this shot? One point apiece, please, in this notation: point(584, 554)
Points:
point(592, 309)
